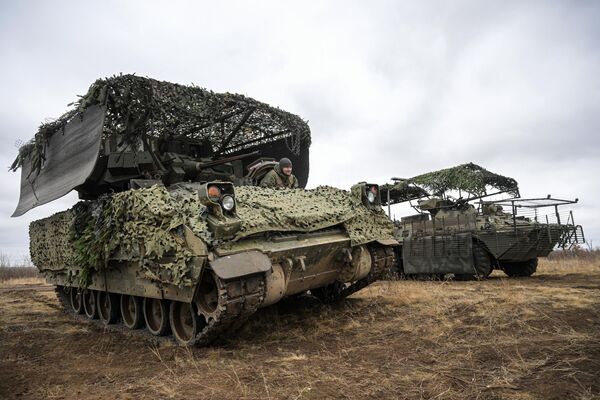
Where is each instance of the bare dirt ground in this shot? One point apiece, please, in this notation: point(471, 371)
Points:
point(527, 338)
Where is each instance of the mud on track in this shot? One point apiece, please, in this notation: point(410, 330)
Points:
point(535, 338)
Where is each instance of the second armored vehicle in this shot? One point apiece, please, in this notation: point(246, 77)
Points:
point(469, 237)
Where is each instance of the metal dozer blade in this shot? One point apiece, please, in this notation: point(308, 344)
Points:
point(69, 159)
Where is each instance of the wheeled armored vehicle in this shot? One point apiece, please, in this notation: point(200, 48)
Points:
point(469, 236)
point(172, 233)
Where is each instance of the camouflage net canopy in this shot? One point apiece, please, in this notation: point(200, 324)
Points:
point(147, 226)
point(401, 192)
point(470, 178)
point(297, 210)
point(138, 108)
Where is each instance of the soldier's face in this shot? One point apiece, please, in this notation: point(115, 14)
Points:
point(287, 170)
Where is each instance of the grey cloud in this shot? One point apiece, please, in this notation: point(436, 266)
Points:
point(389, 88)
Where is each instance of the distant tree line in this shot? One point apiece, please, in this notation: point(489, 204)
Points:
point(11, 269)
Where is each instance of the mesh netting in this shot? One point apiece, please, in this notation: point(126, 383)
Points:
point(469, 178)
point(146, 226)
point(140, 107)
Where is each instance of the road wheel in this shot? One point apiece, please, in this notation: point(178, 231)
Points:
point(520, 269)
point(185, 323)
point(76, 300)
point(131, 311)
point(108, 307)
point(156, 314)
point(89, 304)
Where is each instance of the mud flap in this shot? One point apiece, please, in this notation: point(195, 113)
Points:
point(69, 160)
point(241, 264)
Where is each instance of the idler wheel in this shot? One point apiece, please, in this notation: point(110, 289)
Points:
point(76, 300)
point(185, 322)
point(89, 304)
point(108, 307)
point(131, 311)
point(156, 314)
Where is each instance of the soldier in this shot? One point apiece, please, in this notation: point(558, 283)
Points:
point(280, 176)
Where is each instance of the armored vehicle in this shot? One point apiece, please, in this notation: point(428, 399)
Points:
point(172, 234)
point(468, 236)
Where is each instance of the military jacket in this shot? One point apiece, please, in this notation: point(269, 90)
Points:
point(277, 179)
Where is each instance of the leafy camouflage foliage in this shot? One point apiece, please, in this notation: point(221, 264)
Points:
point(400, 192)
point(140, 108)
point(146, 226)
point(298, 210)
point(51, 244)
point(468, 177)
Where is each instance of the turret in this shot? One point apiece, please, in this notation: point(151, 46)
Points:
point(129, 131)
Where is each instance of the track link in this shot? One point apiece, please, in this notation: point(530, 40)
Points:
point(382, 260)
point(238, 300)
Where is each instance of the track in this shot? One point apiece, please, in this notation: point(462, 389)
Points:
point(382, 258)
point(237, 300)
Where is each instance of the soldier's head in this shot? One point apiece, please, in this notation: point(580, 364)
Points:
point(285, 165)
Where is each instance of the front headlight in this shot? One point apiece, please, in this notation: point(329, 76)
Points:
point(370, 196)
point(228, 203)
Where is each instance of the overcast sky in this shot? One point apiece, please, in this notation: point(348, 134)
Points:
point(389, 88)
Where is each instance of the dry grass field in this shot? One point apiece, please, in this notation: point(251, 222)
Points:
point(527, 338)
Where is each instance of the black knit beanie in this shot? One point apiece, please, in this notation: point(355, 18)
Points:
point(285, 162)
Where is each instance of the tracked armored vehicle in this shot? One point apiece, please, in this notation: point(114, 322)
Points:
point(470, 237)
point(172, 234)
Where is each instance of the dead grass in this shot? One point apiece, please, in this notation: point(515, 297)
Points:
point(529, 338)
point(569, 265)
point(516, 339)
point(22, 281)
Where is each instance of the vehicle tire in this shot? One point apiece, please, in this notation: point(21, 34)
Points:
point(520, 269)
point(156, 315)
point(185, 323)
point(76, 300)
point(108, 307)
point(482, 263)
point(90, 306)
point(132, 312)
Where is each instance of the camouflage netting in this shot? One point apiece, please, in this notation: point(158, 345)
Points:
point(143, 226)
point(401, 192)
point(469, 178)
point(115, 227)
point(263, 210)
point(51, 244)
point(138, 108)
